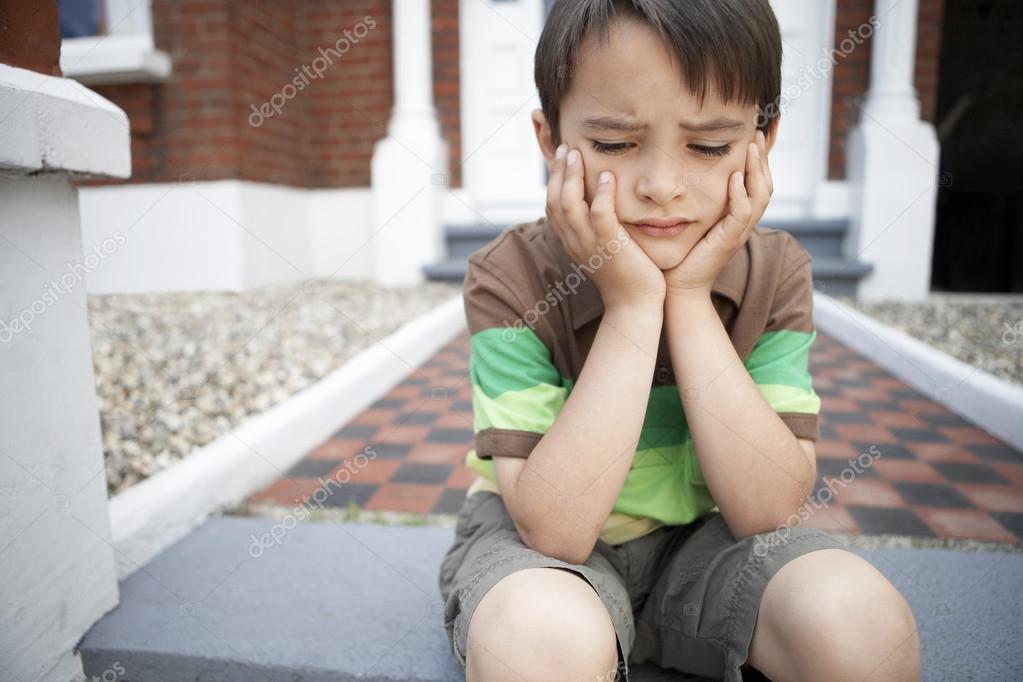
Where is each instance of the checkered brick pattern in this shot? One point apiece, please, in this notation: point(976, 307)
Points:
point(889, 460)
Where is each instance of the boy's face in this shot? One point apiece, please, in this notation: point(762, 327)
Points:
point(662, 169)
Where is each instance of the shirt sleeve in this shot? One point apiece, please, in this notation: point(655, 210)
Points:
point(779, 362)
point(517, 391)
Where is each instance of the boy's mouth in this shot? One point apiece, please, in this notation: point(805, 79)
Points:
point(663, 227)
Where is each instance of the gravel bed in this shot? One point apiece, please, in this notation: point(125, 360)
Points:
point(983, 330)
point(175, 371)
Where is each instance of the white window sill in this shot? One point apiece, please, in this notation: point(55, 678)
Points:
point(104, 60)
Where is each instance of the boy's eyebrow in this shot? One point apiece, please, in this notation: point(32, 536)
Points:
point(613, 123)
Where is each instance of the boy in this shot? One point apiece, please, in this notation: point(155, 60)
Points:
point(644, 417)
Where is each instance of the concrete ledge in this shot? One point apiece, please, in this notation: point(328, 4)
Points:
point(109, 59)
point(340, 601)
point(991, 403)
point(151, 515)
point(55, 124)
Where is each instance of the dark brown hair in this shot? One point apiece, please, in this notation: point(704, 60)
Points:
point(732, 45)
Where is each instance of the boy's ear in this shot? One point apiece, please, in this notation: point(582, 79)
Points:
point(771, 135)
point(543, 136)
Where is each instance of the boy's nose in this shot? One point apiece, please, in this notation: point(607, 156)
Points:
point(662, 180)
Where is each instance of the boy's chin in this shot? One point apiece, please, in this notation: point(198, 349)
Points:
point(664, 253)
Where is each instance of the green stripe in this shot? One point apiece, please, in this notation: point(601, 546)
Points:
point(781, 357)
point(507, 359)
point(789, 399)
point(529, 409)
point(669, 488)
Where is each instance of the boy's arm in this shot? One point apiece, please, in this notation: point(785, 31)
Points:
point(757, 471)
point(561, 495)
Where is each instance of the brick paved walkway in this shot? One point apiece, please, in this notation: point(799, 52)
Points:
point(938, 475)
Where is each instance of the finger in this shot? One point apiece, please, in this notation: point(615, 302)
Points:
point(740, 209)
point(573, 203)
point(555, 180)
point(764, 162)
point(602, 209)
point(554, 189)
point(756, 183)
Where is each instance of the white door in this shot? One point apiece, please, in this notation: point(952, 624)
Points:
point(799, 159)
point(502, 169)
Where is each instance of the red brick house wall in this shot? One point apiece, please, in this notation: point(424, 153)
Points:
point(228, 56)
point(852, 72)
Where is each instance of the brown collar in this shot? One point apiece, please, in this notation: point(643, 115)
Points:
point(586, 304)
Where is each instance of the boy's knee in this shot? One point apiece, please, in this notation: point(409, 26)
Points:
point(544, 617)
point(853, 617)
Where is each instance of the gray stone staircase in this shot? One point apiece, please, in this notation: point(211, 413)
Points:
point(833, 273)
point(340, 602)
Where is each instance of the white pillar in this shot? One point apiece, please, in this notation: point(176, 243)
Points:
point(410, 165)
point(893, 167)
point(57, 568)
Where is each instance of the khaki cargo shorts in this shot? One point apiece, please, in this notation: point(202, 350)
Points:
point(681, 597)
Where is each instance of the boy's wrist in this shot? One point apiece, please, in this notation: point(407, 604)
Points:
point(688, 298)
point(651, 310)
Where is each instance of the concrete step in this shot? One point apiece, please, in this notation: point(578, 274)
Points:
point(333, 602)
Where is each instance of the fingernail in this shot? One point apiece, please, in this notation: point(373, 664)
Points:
point(756, 150)
point(573, 157)
point(605, 177)
point(560, 152)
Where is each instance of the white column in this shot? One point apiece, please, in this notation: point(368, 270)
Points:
point(410, 165)
point(893, 167)
point(56, 557)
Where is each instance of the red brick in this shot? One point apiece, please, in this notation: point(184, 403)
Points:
point(461, 477)
point(907, 470)
point(438, 453)
point(371, 471)
point(286, 491)
point(832, 518)
point(405, 497)
point(865, 433)
point(866, 492)
point(965, 523)
point(898, 420)
point(968, 435)
point(941, 452)
point(994, 497)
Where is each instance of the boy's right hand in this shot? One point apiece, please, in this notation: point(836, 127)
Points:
point(622, 271)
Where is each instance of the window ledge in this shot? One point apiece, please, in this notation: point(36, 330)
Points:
point(103, 60)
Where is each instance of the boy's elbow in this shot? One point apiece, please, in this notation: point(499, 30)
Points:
point(571, 547)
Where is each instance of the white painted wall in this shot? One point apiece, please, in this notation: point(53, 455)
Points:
point(225, 235)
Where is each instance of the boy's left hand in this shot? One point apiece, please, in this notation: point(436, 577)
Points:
point(695, 275)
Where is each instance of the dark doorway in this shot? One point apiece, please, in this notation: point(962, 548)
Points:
point(978, 240)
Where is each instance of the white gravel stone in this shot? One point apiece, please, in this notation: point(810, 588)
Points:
point(983, 330)
point(175, 371)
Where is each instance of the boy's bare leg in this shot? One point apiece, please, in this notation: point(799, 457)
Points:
point(541, 624)
point(831, 615)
